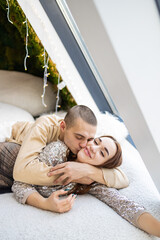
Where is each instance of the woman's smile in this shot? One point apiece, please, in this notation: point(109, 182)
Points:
point(87, 152)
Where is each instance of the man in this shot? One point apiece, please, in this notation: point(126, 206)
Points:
point(78, 127)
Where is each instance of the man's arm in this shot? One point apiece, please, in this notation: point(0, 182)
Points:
point(86, 174)
point(27, 167)
point(115, 178)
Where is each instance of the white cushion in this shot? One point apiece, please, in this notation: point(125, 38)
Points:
point(24, 90)
point(10, 114)
point(110, 125)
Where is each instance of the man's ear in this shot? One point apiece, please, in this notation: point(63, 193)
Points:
point(62, 125)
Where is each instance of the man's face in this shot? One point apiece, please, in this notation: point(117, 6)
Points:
point(77, 136)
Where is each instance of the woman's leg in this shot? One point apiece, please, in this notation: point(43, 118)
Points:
point(8, 154)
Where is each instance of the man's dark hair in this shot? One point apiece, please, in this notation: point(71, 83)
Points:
point(80, 111)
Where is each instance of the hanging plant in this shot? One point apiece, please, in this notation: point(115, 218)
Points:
point(12, 49)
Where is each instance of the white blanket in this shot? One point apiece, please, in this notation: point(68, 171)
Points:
point(89, 219)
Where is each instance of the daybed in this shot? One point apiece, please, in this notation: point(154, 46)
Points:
point(89, 219)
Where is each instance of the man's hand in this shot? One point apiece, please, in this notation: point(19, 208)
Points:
point(54, 204)
point(71, 172)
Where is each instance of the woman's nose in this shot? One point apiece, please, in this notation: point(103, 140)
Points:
point(93, 148)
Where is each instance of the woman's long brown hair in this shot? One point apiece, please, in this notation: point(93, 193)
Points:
point(113, 162)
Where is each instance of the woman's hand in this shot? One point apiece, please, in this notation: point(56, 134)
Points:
point(55, 204)
point(149, 224)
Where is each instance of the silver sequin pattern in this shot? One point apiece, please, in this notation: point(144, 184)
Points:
point(54, 153)
point(126, 208)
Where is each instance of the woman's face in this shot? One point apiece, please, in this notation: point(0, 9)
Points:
point(97, 151)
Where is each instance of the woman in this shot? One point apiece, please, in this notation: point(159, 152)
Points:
point(102, 152)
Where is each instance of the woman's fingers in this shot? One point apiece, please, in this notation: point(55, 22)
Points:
point(68, 203)
point(73, 199)
point(64, 205)
point(67, 200)
point(57, 204)
point(59, 192)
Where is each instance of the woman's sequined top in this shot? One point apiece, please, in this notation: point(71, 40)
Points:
point(55, 153)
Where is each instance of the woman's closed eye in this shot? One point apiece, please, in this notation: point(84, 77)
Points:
point(102, 153)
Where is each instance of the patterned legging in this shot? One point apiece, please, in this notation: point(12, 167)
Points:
point(8, 154)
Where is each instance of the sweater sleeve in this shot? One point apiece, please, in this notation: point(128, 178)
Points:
point(127, 209)
point(115, 178)
point(22, 191)
point(28, 168)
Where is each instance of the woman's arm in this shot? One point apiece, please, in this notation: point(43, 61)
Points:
point(22, 191)
point(128, 209)
point(53, 203)
point(25, 193)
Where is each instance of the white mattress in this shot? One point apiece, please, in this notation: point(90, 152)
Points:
point(89, 219)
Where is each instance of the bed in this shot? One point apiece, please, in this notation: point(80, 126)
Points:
point(89, 218)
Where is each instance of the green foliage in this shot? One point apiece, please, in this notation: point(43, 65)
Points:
point(12, 49)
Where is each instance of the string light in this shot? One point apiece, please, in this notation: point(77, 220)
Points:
point(8, 12)
point(27, 56)
point(57, 97)
point(25, 59)
point(46, 74)
point(51, 41)
point(60, 86)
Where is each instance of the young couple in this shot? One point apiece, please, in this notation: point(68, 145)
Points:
point(87, 165)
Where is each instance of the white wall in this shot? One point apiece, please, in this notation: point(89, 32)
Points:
point(123, 38)
point(134, 30)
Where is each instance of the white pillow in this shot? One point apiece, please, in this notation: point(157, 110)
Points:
point(24, 90)
point(10, 114)
point(110, 125)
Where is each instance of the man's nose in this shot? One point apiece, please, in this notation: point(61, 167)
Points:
point(83, 143)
